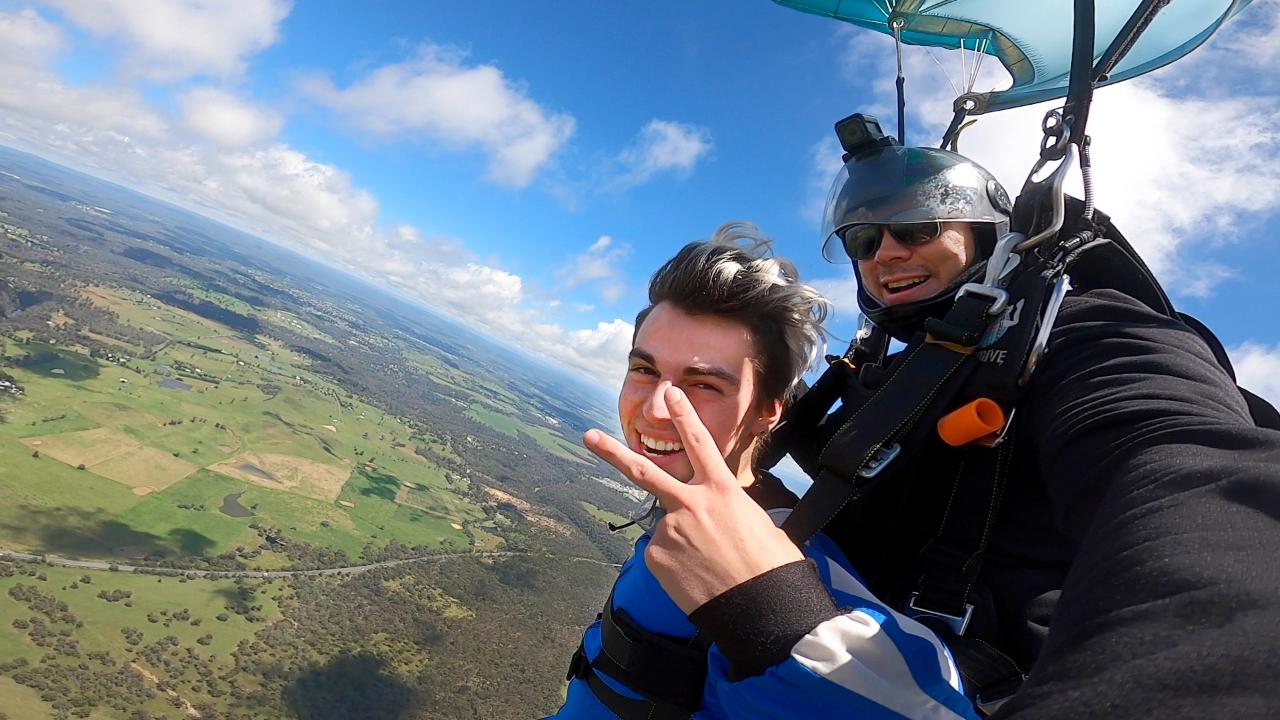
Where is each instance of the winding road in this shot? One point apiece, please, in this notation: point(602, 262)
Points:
point(269, 574)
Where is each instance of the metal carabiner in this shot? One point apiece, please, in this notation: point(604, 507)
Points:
point(1056, 180)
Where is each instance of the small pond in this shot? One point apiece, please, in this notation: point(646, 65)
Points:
point(231, 506)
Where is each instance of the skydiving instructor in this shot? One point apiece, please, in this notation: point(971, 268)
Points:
point(1118, 557)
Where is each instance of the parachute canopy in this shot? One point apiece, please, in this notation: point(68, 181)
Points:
point(1032, 38)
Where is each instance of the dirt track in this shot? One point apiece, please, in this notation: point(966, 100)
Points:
point(267, 574)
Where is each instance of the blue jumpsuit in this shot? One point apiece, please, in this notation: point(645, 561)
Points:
point(870, 658)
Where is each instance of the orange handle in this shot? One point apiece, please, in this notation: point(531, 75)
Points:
point(973, 421)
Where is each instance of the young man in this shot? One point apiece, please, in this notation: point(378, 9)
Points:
point(1127, 562)
point(716, 356)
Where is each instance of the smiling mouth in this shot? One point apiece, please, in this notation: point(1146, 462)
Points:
point(899, 286)
point(654, 446)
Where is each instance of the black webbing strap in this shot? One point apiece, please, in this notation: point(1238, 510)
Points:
point(805, 414)
point(626, 708)
point(917, 382)
point(990, 676)
point(794, 431)
point(951, 561)
point(666, 669)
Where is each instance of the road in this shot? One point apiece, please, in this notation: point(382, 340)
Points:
point(269, 574)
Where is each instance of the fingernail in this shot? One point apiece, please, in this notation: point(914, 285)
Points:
point(590, 436)
point(674, 394)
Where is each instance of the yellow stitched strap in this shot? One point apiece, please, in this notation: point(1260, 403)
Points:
point(953, 347)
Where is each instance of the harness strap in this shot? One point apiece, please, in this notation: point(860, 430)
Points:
point(624, 707)
point(665, 669)
point(808, 410)
point(867, 441)
point(990, 676)
point(951, 562)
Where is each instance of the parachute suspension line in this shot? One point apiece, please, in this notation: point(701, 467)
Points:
point(980, 51)
point(945, 74)
point(969, 78)
point(896, 24)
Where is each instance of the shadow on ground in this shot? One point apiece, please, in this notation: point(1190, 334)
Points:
point(89, 533)
point(381, 484)
point(349, 686)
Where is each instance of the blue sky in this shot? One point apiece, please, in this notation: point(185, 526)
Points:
point(524, 167)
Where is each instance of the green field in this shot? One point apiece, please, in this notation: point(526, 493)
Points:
point(549, 440)
point(143, 446)
point(631, 532)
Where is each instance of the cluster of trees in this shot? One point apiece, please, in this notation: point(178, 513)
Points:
point(45, 604)
point(450, 638)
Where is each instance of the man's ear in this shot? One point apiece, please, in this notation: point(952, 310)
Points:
point(770, 414)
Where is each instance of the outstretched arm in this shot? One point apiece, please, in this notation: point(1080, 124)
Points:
point(1172, 606)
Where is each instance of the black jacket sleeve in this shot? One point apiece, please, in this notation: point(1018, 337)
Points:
point(1172, 605)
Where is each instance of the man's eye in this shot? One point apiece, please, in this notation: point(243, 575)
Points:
point(706, 386)
point(643, 370)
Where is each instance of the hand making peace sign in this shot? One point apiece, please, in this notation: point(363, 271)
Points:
point(713, 535)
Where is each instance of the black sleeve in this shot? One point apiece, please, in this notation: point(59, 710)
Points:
point(1172, 605)
point(756, 623)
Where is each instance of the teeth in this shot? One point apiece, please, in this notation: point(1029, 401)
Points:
point(660, 445)
point(899, 284)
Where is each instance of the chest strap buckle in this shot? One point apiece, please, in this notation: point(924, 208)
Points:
point(957, 623)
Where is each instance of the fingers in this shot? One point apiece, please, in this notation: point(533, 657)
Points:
point(639, 469)
point(701, 448)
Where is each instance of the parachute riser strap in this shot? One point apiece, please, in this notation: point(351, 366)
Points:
point(1127, 38)
point(1080, 89)
point(896, 24)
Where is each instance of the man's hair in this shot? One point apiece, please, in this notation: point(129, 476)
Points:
point(734, 275)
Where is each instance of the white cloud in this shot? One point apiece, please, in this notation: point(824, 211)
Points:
point(281, 194)
point(599, 265)
point(171, 40)
point(663, 146)
point(842, 291)
point(1174, 161)
point(824, 163)
point(227, 120)
point(1258, 369)
point(438, 97)
point(28, 39)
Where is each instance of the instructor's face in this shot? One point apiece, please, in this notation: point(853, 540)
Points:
point(899, 273)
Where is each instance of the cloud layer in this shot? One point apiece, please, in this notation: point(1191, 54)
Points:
point(436, 95)
point(168, 40)
point(663, 146)
point(226, 120)
point(599, 266)
point(1258, 369)
point(220, 155)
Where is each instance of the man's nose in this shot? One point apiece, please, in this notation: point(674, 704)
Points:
point(890, 249)
point(655, 407)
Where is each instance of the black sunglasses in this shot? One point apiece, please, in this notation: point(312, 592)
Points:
point(863, 241)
